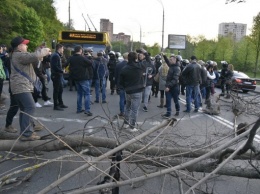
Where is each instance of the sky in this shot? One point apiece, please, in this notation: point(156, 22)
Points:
point(181, 17)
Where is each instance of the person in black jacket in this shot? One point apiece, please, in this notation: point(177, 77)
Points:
point(56, 77)
point(111, 67)
point(192, 76)
point(81, 71)
point(226, 75)
point(172, 89)
point(150, 72)
point(155, 86)
point(118, 70)
point(131, 79)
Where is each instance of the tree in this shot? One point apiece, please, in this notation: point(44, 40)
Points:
point(255, 38)
point(224, 49)
point(154, 50)
point(10, 13)
point(12, 24)
point(119, 46)
point(203, 50)
point(235, 1)
point(47, 13)
point(32, 29)
point(244, 53)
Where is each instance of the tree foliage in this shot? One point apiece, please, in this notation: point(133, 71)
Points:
point(33, 19)
point(255, 38)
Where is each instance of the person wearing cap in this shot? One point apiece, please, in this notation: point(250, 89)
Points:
point(56, 77)
point(172, 88)
point(100, 74)
point(21, 87)
point(81, 72)
point(192, 76)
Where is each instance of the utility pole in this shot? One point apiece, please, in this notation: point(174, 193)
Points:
point(69, 16)
point(140, 36)
point(163, 30)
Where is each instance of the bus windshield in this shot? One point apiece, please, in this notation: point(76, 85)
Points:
point(69, 48)
point(97, 41)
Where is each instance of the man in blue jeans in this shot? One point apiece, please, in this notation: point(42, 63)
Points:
point(131, 79)
point(192, 76)
point(172, 85)
point(81, 71)
point(100, 74)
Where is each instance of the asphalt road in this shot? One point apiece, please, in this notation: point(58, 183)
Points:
point(193, 130)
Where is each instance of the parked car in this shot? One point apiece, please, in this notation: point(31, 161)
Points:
point(240, 82)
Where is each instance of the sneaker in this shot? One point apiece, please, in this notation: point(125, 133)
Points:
point(166, 116)
point(104, 101)
point(145, 109)
point(38, 105)
point(96, 101)
point(126, 126)
point(11, 129)
point(196, 110)
point(133, 129)
point(33, 137)
point(88, 113)
point(37, 127)
point(177, 113)
point(47, 103)
point(187, 111)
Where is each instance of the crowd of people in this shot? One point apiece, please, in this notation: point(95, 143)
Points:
point(132, 78)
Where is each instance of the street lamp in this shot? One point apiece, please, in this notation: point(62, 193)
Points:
point(140, 30)
point(160, 1)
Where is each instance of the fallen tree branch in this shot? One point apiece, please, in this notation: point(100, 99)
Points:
point(120, 147)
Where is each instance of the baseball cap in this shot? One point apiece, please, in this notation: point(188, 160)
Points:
point(18, 40)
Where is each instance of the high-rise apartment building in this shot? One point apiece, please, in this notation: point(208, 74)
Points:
point(237, 30)
point(106, 26)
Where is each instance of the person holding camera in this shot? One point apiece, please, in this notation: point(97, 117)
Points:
point(21, 85)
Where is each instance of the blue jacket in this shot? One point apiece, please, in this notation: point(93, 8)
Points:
point(100, 68)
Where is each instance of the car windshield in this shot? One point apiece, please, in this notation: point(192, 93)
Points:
point(240, 74)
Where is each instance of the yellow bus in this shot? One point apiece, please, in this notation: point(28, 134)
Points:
point(87, 39)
